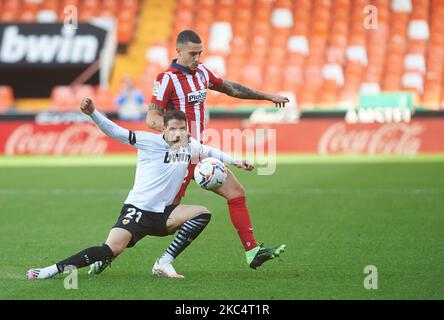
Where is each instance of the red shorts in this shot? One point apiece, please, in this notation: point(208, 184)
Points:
point(186, 181)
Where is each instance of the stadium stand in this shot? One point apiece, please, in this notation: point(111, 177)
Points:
point(320, 50)
point(124, 11)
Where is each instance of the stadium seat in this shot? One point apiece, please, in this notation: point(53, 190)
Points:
point(217, 64)
point(328, 96)
point(10, 11)
point(431, 98)
point(413, 80)
point(104, 100)
point(63, 98)
point(29, 11)
point(50, 5)
point(369, 88)
point(158, 54)
point(6, 98)
point(46, 16)
point(83, 91)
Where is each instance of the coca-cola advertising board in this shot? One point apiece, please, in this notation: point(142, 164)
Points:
point(315, 136)
point(332, 136)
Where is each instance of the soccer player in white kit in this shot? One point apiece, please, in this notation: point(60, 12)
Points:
point(162, 164)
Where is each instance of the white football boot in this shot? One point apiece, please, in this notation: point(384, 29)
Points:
point(165, 270)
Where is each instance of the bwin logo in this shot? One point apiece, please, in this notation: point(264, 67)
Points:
point(197, 96)
point(66, 47)
point(177, 157)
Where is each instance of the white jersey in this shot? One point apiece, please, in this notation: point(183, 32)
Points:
point(161, 170)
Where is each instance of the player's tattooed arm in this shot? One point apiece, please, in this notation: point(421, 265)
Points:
point(240, 91)
point(154, 117)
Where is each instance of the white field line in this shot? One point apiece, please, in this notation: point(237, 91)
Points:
point(253, 191)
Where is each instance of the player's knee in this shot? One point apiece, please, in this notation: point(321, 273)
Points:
point(202, 210)
point(116, 247)
point(237, 191)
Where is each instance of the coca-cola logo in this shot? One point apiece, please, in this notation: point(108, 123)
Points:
point(74, 140)
point(393, 138)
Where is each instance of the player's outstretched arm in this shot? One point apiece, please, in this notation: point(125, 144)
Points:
point(154, 117)
point(103, 123)
point(240, 91)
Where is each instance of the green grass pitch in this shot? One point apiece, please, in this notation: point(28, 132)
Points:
point(335, 215)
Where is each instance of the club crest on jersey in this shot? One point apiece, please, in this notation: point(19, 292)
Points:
point(197, 96)
point(177, 157)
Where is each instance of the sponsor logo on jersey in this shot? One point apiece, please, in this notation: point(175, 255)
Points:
point(156, 88)
point(197, 96)
point(177, 157)
point(125, 222)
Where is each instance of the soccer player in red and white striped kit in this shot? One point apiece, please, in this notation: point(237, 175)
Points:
point(184, 86)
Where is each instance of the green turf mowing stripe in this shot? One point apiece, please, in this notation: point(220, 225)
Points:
point(125, 160)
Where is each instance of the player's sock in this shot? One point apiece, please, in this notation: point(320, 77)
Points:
point(187, 233)
point(43, 273)
point(240, 218)
point(166, 258)
point(86, 257)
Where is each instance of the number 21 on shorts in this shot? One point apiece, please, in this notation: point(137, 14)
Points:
point(131, 213)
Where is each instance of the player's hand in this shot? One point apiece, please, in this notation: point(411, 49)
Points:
point(87, 106)
point(278, 100)
point(244, 164)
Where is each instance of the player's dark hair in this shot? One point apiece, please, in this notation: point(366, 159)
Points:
point(174, 115)
point(187, 36)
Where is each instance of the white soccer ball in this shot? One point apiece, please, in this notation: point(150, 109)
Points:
point(210, 173)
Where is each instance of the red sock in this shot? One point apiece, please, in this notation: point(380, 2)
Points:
point(241, 221)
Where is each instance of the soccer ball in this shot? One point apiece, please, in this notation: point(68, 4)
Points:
point(210, 173)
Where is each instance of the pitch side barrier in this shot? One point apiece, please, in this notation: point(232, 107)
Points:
point(313, 133)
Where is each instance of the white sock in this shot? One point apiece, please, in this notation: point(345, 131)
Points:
point(166, 258)
point(48, 272)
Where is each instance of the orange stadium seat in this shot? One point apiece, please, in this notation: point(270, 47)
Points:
point(186, 5)
point(130, 5)
point(52, 5)
point(328, 94)
point(29, 11)
point(105, 100)
point(431, 98)
point(82, 91)
point(6, 98)
point(10, 12)
point(63, 98)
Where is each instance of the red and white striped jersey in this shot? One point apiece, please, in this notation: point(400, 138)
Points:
point(180, 88)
